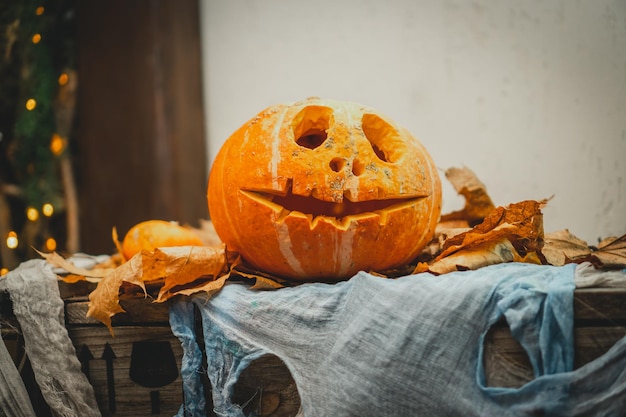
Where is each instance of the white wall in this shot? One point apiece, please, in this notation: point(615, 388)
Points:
point(530, 95)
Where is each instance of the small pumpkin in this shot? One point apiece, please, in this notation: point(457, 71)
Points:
point(152, 234)
point(320, 189)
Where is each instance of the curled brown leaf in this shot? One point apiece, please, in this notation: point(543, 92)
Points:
point(179, 268)
point(562, 247)
point(478, 204)
point(507, 234)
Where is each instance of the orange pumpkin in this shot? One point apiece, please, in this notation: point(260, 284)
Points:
point(320, 189)
point(151, 234)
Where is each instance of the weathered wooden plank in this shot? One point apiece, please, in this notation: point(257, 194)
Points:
point(134, 373)
point(505, 361)
point(138, 310)
point(592, 342)
point(507, 364)
point(77, 290)
point(603, 304)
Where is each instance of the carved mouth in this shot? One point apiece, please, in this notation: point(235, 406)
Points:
point(314, 208)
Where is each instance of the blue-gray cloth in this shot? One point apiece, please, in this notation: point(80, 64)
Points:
point(410, 346)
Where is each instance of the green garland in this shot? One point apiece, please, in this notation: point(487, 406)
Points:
point(30, 69)
point(36, 166)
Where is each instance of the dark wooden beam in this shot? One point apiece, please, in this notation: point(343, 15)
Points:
point(141, 150)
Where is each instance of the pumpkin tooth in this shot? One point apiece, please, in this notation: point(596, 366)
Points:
point(343, 223)
point(314, 208)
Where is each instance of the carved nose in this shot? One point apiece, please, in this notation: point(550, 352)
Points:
point(338, 164)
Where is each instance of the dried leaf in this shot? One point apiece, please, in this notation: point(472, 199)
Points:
point(188, 265)
point(478, 204)
point(72, 279)
point(263, 283)
point(118, 244)
point(475, 237)
point(263, 280)
point(521, 222)
point(177, 266)
point(104, 301)
point(457, 226)
point(611, 253)
point(507, 234)
point(209, 286)
point(562, 247)
point(443, 231)
point(477, 256)
point(57, 260)
point(421, 267)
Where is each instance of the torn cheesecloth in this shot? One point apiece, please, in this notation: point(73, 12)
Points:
point(39, 309)
point(14, 399)
point(410, 346)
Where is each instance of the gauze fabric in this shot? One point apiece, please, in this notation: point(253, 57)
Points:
point(39, 309)
point(14, 400)
point(410, 346)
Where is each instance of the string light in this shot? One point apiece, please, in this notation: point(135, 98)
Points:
point(51, 244)
point(57, 144)
point(32, 214)
point(12, 241)
point(47, 210)
point(63, 79)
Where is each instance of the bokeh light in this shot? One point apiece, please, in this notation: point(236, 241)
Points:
point(32, 214)
point(12, 241)
point(47, 210)
point(57, 144)
point(63, 78)
point(51, 244)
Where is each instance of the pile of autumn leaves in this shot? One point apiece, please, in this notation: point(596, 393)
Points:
point(478, 235)
point(482, 234)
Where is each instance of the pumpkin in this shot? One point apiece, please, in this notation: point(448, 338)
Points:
point(320, 189)
point(152, 234)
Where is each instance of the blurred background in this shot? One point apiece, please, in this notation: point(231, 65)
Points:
point(529, 95)
point(102, 122)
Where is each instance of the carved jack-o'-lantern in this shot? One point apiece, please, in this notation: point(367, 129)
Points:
point(320, 189)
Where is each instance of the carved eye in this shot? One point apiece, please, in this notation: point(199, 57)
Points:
point(384, 138)
point(310, 126)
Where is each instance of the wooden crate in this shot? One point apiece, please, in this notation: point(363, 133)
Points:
point(268, 388)
point(136, 373)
